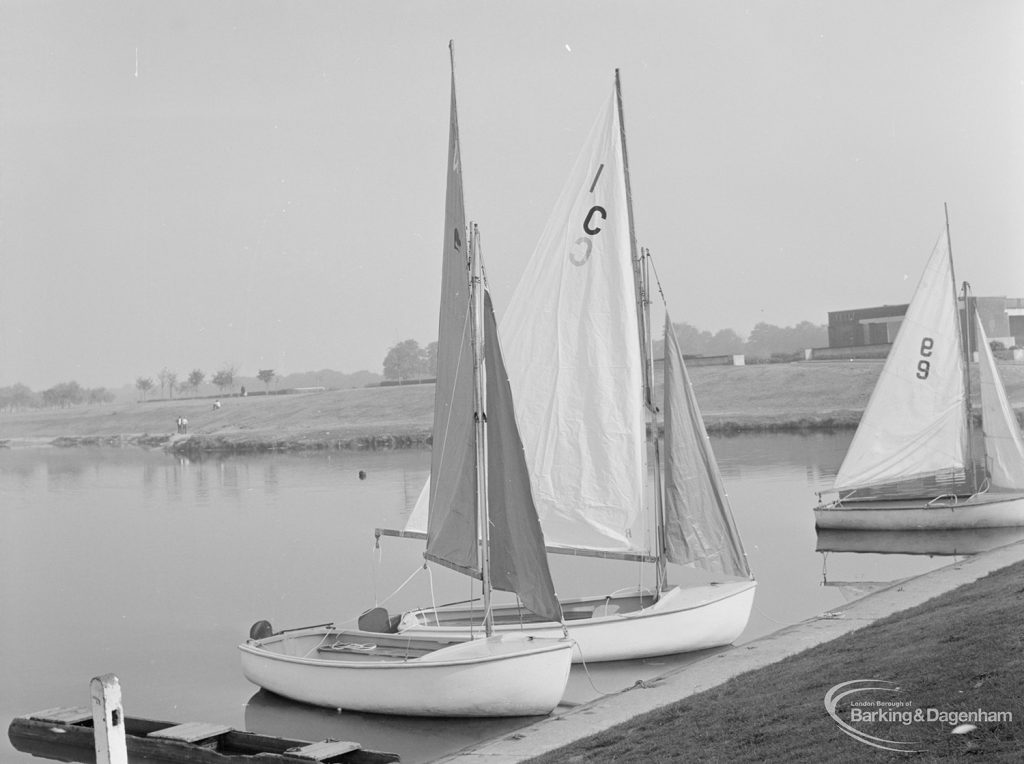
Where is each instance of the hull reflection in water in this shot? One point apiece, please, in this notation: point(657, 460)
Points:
point(415, 739)
point(935, 542)
point(931, 543)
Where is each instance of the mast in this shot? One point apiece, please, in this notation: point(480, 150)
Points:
point(643, 307)
point(480, 420)
point(965, 347)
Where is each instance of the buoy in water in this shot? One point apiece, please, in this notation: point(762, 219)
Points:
point(362, 474)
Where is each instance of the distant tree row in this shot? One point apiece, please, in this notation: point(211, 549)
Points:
point(765, 340)
point(63, 395)
point(223, 379)
point(407, 360)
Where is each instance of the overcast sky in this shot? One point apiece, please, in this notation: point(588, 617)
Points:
point(194, 184)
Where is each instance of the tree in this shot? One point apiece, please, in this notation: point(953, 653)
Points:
point(266, 376)
point(767, 340)
point(64, 395)
point(430, 359)
point(17, 397)
point(404, 361)
point(98, 395)
point(162, 379)
point(692, 341)
point(224, 378)
point(725, 342)
point(144, 385)
point(195, 379)
point(172, 379)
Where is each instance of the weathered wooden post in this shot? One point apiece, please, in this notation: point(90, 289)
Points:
point(108, 720)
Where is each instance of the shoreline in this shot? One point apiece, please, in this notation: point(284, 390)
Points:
point(241, 443)
point(805, 397)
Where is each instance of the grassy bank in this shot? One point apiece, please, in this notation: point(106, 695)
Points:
point(962, 651)
point(770, 397)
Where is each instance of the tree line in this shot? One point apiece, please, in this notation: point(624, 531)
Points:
point(66, 394)
point(406, 360)
point(63, 395)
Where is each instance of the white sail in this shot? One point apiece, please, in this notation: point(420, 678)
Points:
point(570, 337)
point(914, 423)
point(1004, 447)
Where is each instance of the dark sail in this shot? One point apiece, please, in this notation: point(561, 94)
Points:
point(699, 528)
point(517, 559)
point(452, 525)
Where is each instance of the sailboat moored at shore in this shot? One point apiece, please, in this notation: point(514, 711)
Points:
point(483, 524)
point(913, 463)
point(577, 342)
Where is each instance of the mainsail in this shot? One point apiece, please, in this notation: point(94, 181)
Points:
point(571, 341)
point(1004, 447)
point(914, 423)
point(452, 525)
point(514, 542)
point(699, 526)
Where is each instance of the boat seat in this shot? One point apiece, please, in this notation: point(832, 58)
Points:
point(324, 750)
point(192, 732)
point(62, 715)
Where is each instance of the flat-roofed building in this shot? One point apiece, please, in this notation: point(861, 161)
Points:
point(1002, 317)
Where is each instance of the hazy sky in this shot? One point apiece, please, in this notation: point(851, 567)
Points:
point(194, 184)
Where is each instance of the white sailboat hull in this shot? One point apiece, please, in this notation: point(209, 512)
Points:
point(504, 675)
point(988, 510)
point(606, 629)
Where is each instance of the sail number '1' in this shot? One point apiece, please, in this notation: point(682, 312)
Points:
point(924, 365)
point(591, 227)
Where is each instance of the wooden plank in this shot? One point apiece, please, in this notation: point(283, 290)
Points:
point(325, 749)
point(63, 715)
point(192, 732)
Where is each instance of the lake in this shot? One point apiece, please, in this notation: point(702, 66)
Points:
point(153, 567)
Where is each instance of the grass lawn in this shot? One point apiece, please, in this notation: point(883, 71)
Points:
point(962, 651)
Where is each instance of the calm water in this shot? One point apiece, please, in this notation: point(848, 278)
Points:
point(153, 568)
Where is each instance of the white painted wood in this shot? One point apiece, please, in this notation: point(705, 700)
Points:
point(682, 620)
point(508, 675)
point(108, 720)
point(989, 510)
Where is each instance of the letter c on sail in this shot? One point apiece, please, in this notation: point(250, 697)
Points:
point(580, 259)
point(586, 220)
point(457, 240)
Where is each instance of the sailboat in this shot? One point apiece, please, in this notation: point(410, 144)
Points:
point(912, 462)
point(483, 523)
point(578, 347)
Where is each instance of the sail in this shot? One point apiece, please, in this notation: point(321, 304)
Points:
point(699, 527)
point(518, 562)
point(1004, 447)
point(570, 337)
point(452, 521)
point(914, 423)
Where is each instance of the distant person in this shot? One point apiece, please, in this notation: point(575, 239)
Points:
point(184, 425)
point(243, 391)
point(216, 405)
point(179, 425)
